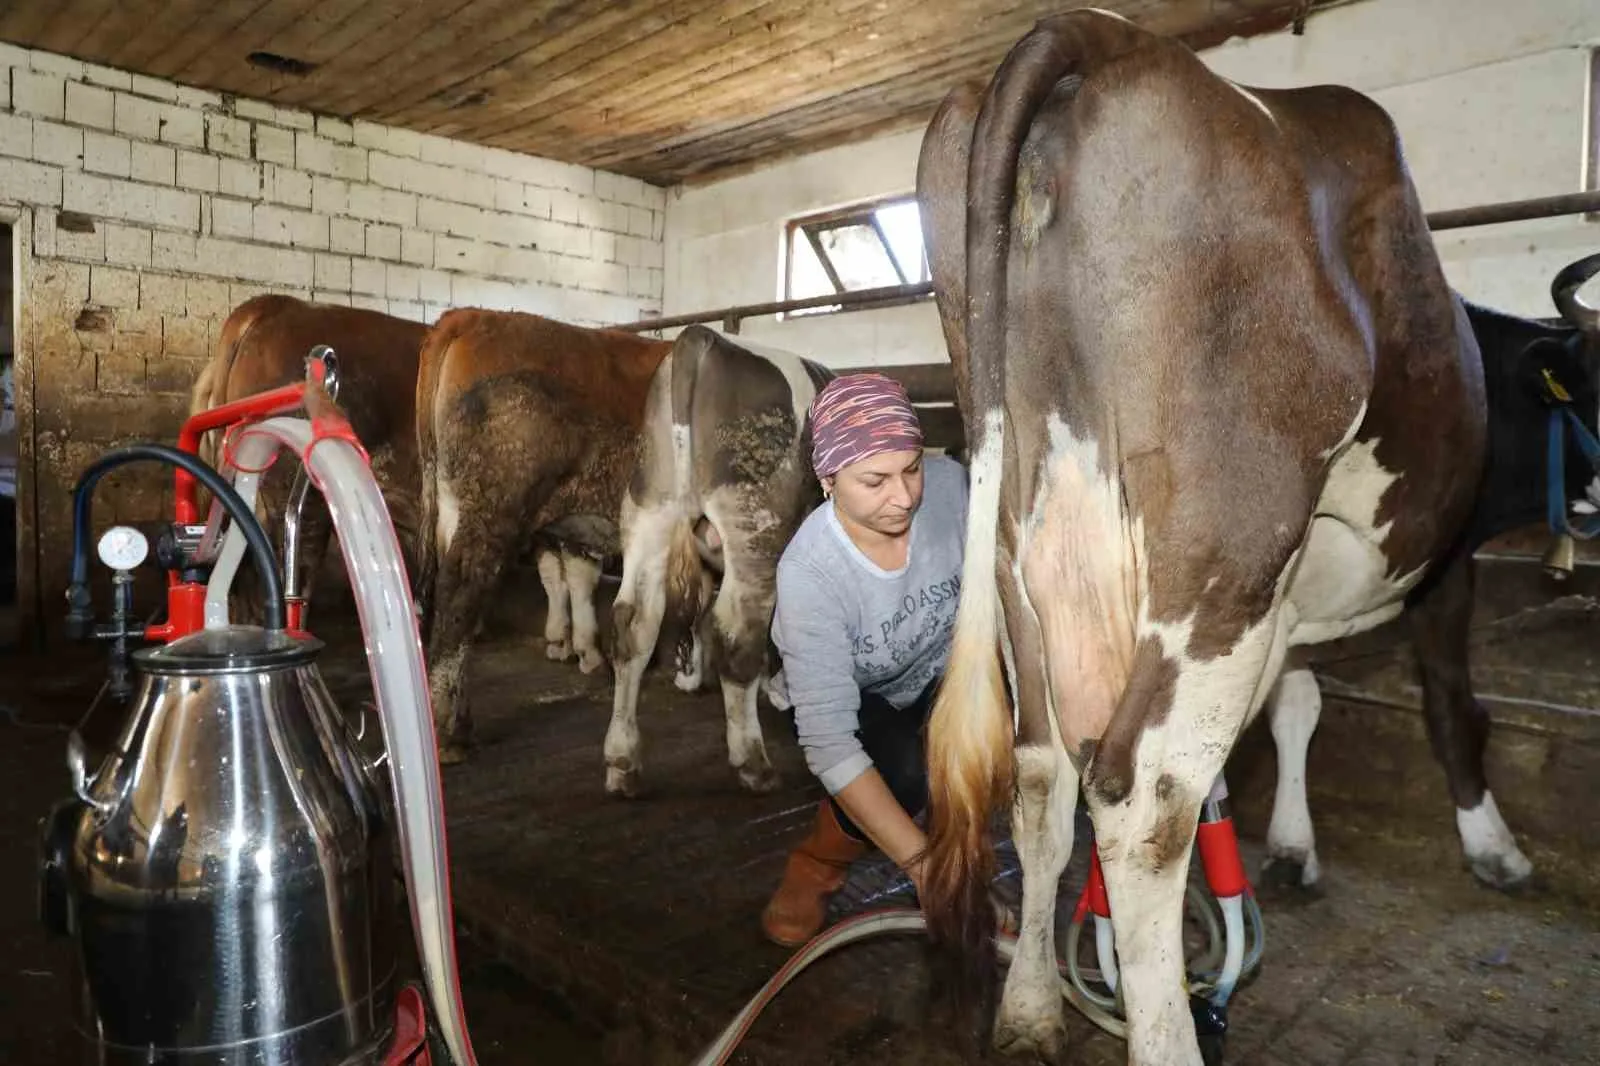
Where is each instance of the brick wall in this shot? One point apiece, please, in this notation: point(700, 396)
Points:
point(153, 209)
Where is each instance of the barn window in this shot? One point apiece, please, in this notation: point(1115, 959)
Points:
point(864, 246)
point(1592, 158)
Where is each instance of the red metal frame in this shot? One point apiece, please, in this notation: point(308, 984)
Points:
point(186, 599)
point(1219, 857)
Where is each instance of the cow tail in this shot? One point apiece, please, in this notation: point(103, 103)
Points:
point(970, 732)
point(686, 576)
point(435, 347)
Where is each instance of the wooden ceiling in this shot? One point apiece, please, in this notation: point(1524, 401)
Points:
point(663, 90)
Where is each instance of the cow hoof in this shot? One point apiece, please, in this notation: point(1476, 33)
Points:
point(687, 682)
point(1031, 1039)
point(557, 650)
point(1505, 873)
point(590, 660)
point(1292, 868)
point(759, 779)
point(622, 783)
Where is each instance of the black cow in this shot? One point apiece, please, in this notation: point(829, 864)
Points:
point(1517, 354)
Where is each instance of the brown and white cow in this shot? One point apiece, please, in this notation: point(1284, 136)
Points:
point(525, 425)
point(1220, 402)
point(263, 345)
point(1516, 352)
point(724, 480)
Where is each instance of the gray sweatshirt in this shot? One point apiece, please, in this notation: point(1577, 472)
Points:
point(844, 625)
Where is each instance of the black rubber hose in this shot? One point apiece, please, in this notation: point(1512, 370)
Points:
point(260, 548)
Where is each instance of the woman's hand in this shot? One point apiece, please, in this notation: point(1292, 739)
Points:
point(870, 804)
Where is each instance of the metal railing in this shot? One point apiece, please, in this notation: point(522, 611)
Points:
point(899, 295)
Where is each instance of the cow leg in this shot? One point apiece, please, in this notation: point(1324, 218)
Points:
point(1146, 786)
point(582, 578)
point(556, 645)
point(1030, 1018)
point(636, 615)
point(477, 539)
point(1293, 709)
point(741, 619)
point(1458, 726)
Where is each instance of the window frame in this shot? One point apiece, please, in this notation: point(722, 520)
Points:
point(1591, 167)
point(810, 227)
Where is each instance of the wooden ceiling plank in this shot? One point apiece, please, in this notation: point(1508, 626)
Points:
point(553, 55)
point(313, 39)
point(794, 27)
point(29, 22)
point(133, 19)
point(617, 80)
point(740, 95)
point(164, 55)
point(99, 40)
point(730, 82)
point(227, 60)
point(332, 50)
point(714, 117)
point(596, 61)
point(503, 39)
point(352, 51)
point(829, 123)
point(76, 20)
point(458, 42)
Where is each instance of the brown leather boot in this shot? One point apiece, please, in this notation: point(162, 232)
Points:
point(815, 870)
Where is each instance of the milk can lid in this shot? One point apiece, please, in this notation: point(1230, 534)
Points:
point(230, 650)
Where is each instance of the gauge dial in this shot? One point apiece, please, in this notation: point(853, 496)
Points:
point(123, 547)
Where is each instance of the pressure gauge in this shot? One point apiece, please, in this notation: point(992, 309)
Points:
point(123, 547)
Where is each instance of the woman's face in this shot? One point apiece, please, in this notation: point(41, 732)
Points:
point(881, 492)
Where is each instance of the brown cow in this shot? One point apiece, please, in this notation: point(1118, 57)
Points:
point(263, 345)
point(1221, 402)
point(524, 425)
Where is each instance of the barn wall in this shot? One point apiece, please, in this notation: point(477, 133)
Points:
point(1490, 99)
point(155, 209)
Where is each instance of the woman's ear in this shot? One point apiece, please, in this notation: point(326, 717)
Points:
point(827, 486)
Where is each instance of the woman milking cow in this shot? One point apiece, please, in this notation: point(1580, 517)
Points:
point(866, 607)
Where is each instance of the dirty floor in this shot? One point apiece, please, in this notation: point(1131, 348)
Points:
point(602, 930)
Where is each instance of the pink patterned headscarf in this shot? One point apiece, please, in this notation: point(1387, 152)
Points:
point(857, 416)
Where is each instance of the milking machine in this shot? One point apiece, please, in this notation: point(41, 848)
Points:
point(1229, 916)
point(226, 873)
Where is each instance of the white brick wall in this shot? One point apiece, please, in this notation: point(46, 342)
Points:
point(176, 185)
point(156, 209)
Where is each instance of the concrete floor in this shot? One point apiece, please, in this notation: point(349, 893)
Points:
point(598, 930)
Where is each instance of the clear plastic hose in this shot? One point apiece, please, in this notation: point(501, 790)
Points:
point(400, 682)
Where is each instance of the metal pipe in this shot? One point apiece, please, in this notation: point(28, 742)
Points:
point(292, 516)
point(851, 301)
point(1577, 203)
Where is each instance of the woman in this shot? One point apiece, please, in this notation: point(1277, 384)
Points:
point(866, 606)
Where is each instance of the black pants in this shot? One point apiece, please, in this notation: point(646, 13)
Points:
point(894, 740)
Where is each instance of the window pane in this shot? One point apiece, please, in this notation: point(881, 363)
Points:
point(902, 224)
point(858, 257)
point(808, 279)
